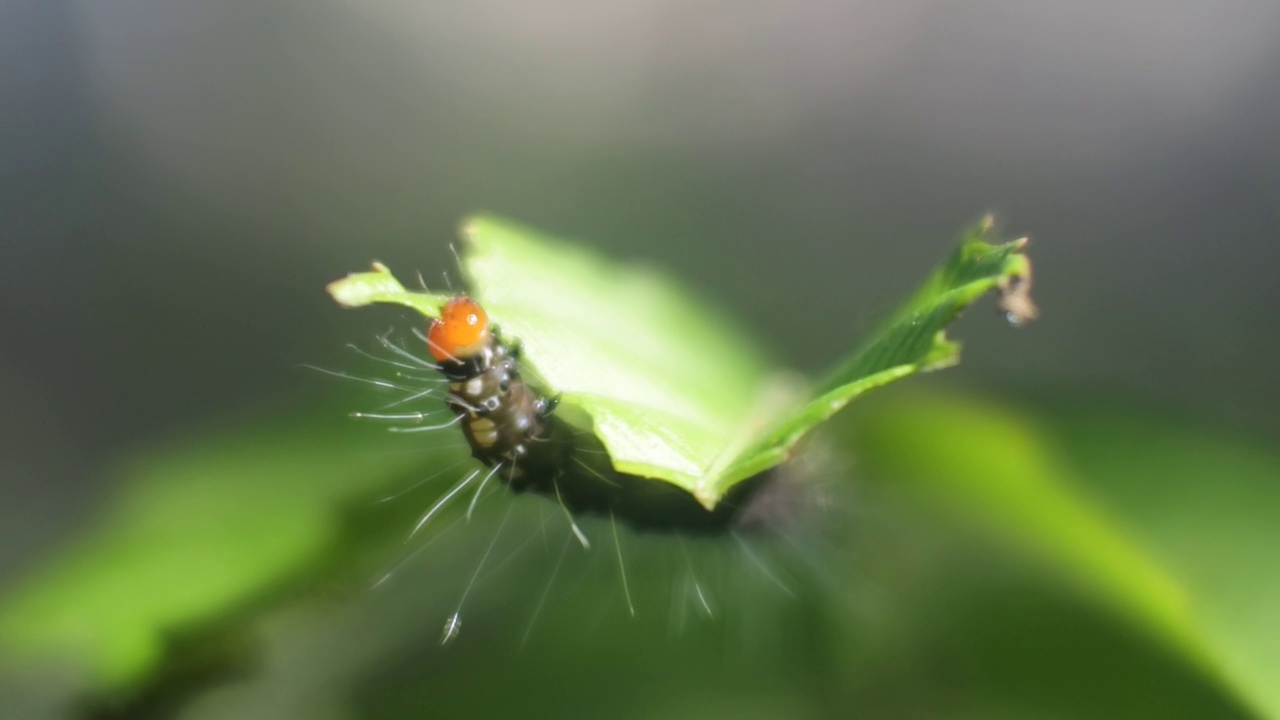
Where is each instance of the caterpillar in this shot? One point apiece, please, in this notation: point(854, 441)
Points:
point(505, 421)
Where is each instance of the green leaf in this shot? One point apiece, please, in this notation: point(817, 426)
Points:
point(672, 389)
point(1173, 528)
point(198, 530)
point(378, 285)
point(1207, 503)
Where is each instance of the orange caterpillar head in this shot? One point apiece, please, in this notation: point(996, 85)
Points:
point(461, 331)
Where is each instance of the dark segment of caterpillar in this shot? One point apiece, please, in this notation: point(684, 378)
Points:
point(511, 426)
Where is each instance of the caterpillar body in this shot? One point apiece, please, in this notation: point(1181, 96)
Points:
point(505, 421)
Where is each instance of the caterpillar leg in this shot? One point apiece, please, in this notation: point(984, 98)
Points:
point(546, 406)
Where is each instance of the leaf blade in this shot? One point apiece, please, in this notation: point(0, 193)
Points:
point(378, 285)
point(665, 378)
point(674, 391)
point(912, 340)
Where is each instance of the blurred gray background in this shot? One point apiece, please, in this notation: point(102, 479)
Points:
point(179, 180)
